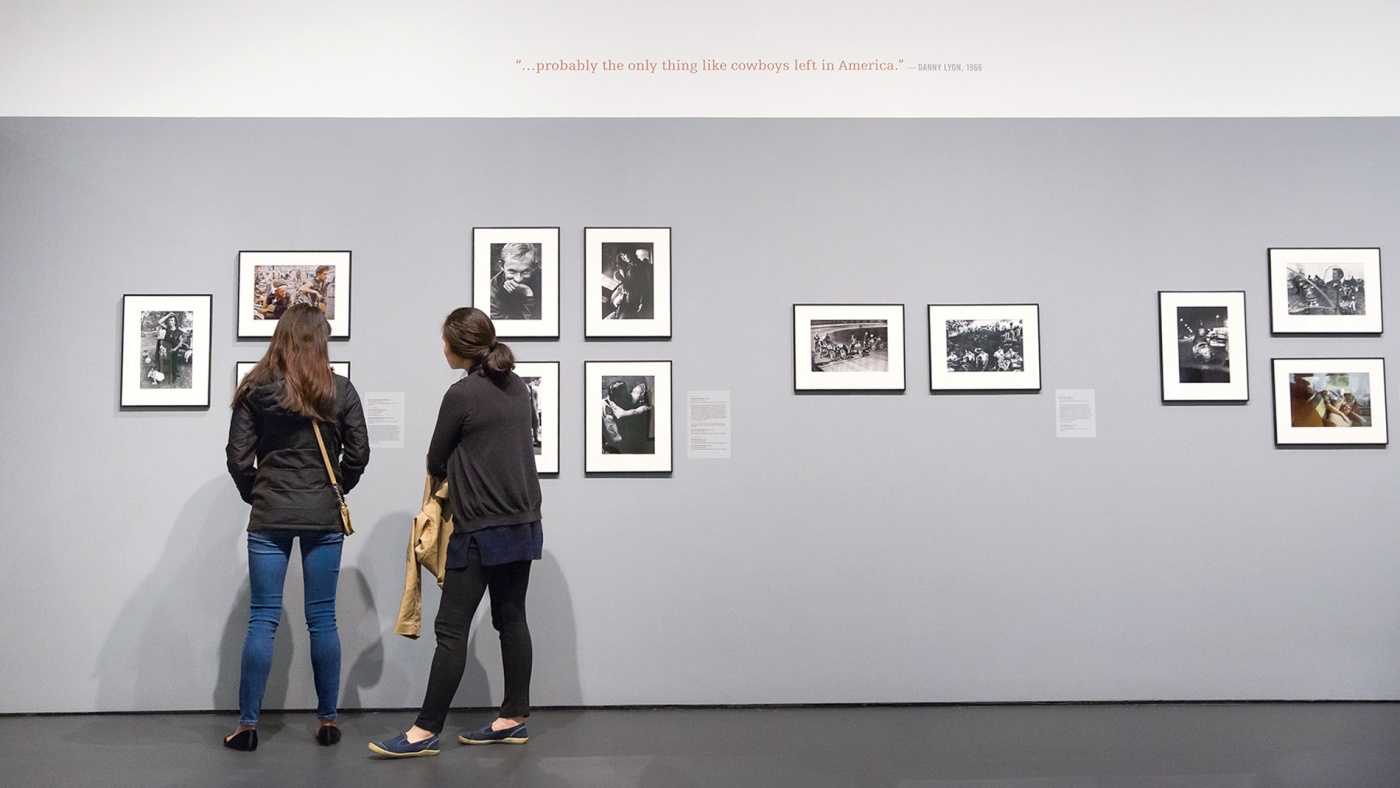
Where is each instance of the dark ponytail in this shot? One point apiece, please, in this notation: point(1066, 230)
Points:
point(472, 336)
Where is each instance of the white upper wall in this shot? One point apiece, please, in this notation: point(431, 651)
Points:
point(438, 58)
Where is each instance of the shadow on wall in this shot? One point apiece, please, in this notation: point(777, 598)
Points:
point(555, 678)
point(555, 635)
point(393, 672)
point(165, 647)
point(361, 644)
point(231, 654)
point(366, 608)
point(290, 684)
point(361, 649)
point(179, 638)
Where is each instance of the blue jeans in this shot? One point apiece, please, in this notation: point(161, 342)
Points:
point(268, 554)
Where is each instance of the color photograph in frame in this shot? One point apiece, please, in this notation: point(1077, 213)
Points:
point(984, 347)
point(270, 283)
point(1325, 291)
point(627, 282)
point(515, 279)
point(165, 351)
point(627, 416)
point(1203, 349)
point(1330, 402)
point(848, 347)
point(542, 377)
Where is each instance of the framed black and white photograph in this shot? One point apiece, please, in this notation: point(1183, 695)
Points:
point(848, 347)
point(542, 377)
point(1329, 402)
point(515, 279)
point(627, 416)
point(165, 351)
point(1203, 346)
point(1325, 291)
point(269, 283)
point(984, 347)
point(242, 368)
point(627, 281)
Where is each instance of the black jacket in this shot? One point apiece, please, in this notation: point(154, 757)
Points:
point(274, 459)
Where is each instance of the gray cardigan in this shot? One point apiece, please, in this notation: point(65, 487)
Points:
point(482, 446)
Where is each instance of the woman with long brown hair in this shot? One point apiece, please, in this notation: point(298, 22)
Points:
point(275, 460)
point(483, 446)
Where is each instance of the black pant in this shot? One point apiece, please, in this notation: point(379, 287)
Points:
point(461, 592)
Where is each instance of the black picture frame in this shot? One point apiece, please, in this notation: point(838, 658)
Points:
point(1203, 346)
point(958, 359)
point(627, 282)
point(848, 347)
point(165, 351)
point(303, 280)
point(523, 304)
point(543, 378)
point(1330, 402)
point(1316, 290)
point(637, 442)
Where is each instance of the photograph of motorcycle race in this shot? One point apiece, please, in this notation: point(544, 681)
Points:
point(850, 346)
point(1326, 289)
point(985, 345)
point(1203, 344)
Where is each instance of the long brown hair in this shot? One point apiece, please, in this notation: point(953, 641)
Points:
point(472, 336)
point(299, 352)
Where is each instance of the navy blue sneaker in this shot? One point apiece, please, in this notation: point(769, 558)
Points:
point(516, 735)
point(401, 747)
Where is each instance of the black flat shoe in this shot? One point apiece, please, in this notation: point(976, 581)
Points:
point(326, 735)
point(247, 741)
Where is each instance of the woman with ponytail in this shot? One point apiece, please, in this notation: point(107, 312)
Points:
point(483, 446)
point(275, 460)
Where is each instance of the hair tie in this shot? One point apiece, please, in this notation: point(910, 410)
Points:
point(493, 345)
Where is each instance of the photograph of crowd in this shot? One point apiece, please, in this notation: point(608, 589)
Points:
point(628, 281)
point(1326, 289)
point(516, 281)
point(277, 287)
point(629, 424)
point(985, 345)
point(850, 345)
point(1203, 344)
point(1330, 399)
point(167, 350)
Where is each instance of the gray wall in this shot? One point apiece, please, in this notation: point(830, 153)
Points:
point(856, 549)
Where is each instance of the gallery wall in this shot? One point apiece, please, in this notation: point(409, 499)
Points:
point(857, 548)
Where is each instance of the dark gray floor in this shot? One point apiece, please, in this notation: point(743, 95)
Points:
point(1089, 746)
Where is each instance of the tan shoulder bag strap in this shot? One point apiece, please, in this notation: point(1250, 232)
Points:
point(335, 485)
